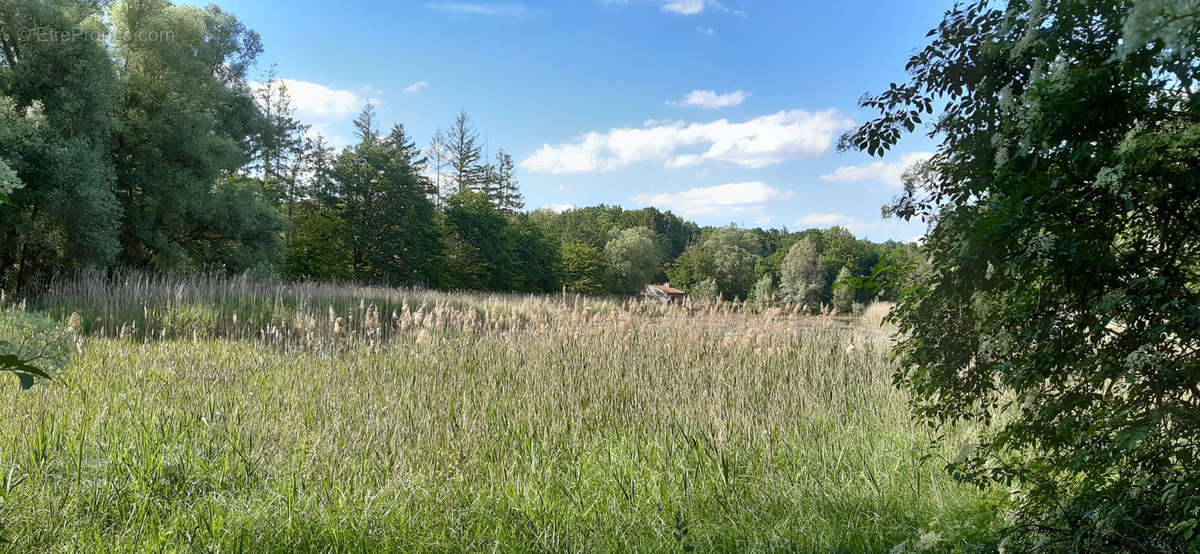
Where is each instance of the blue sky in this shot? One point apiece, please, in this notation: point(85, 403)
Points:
point(721, 111)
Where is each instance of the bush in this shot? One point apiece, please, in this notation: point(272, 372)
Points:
point(32, 345)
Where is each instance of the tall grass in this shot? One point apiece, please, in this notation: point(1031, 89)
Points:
point(485, 423)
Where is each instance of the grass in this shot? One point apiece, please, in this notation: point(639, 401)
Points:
point(343, 419)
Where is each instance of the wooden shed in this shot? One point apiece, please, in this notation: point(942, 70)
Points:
point(665, 293)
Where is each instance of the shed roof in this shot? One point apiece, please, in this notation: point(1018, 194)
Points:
point(668, 289)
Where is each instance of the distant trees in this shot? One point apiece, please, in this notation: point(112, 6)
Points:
point(502, 189)
point(843, 292)
point(727, 256)
point(763, 294)
point(802, 274)
point(163, 155)
point(633, 260)
point(466, 163)
point(385, 203)
point(583, 268)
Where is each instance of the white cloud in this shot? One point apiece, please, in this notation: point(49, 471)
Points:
point(694, 7)
point(478, 9)
point(315, 103)
point(730, 198)
point(416, 86)
point(766, 220)
point(710, 100)
point(762, 141)
point(888, 173)
point(706, 30)
point(558, 208)
point(686, 7)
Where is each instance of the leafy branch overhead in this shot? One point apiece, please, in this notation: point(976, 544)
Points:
point(1061, 303)
point(32, 345)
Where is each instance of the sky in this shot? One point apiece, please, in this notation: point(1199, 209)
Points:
point(722, 111)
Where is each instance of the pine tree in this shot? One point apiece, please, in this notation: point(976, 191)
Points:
point(466, 156)
point(506, 195)
point(384, 202)
point(280, 146)
point(364, 125)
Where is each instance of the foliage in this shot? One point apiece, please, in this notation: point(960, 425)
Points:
point(1061, 304)
point(843, 292)
point(32, 345)
point(705, 290)
point(634, 260)
point(56, 104)
point(802, 274)
point(734, 252)
point(763, 294)
point(383, 198)
point(584, 268)
point(186, 119)
point(474, 258)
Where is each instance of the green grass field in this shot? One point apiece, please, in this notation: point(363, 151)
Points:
point(210, 415)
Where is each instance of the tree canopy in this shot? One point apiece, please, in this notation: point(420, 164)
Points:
point(1061, 303)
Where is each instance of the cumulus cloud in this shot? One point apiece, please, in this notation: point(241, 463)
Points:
point(416, 86)
point(710, 100)
point(706, 30)
point(888, 173)
point(315, 102)
point(478, 9)
point(759, 142)
point(730, 198)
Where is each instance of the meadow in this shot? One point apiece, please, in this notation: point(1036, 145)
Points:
point(213, 414)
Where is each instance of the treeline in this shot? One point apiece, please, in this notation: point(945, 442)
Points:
point(131, 136)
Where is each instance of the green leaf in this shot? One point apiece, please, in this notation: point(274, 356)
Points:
point(1131, 436)
point(10, 362)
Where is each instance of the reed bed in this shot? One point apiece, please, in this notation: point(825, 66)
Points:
point(464, 422)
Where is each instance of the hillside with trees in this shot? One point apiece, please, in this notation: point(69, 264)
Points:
point(184, 164)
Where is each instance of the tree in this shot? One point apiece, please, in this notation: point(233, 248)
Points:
point(1061, 306)
point(633, 260)
point(583, 268)
point(734, 253)
point(843, 292)
point(504, 193)
point(802, 275)
point(536, 259)
point(384, 201)
point(438, 154)
point(280, 145)
point(694, 265)
point(318, 235)
point(476, 254)
point(57, 104)
point(187, 121)
point(763, 293)
point(467, 172)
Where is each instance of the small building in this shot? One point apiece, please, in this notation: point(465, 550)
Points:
point(664, 293)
